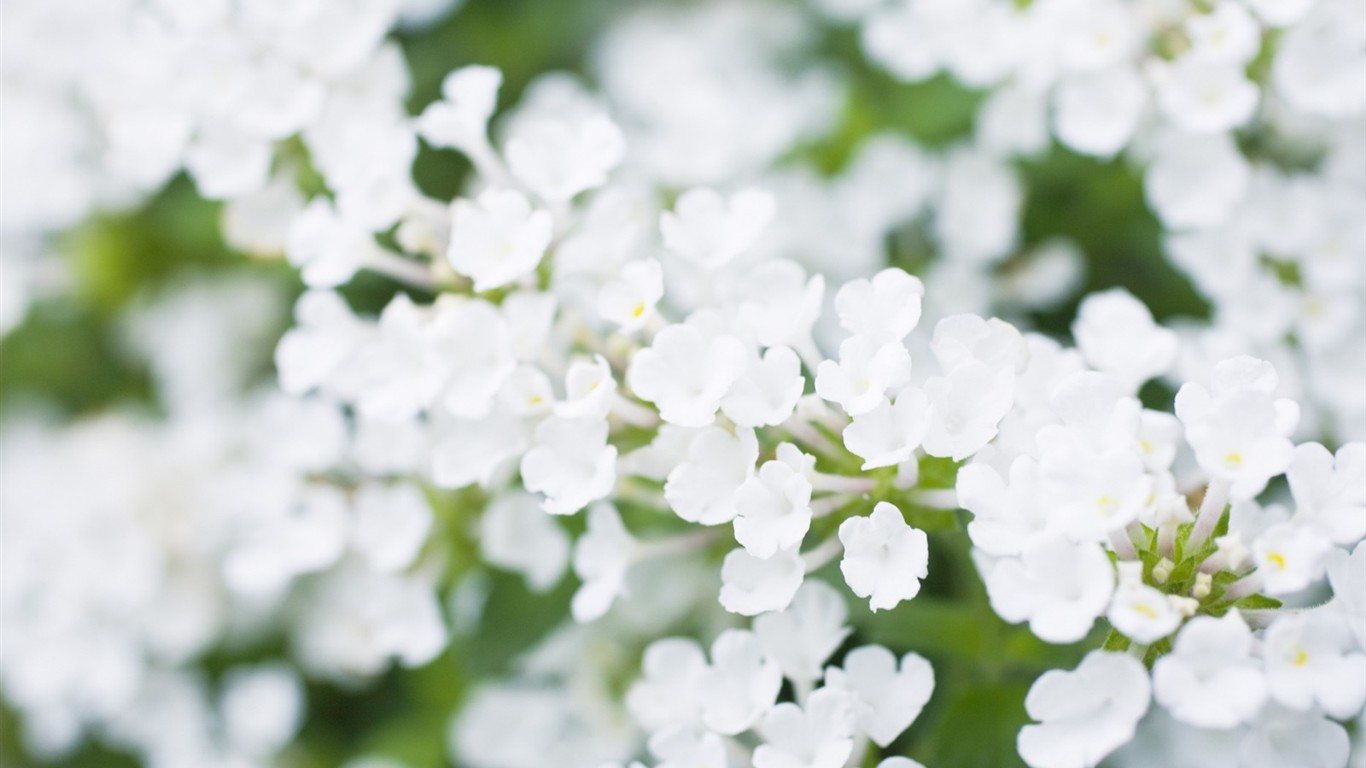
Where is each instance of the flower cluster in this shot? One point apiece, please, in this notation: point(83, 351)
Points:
point(654, 364)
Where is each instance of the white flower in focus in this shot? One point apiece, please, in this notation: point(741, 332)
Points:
point(558, 159)
point(885, 308)
point(1085, 714)
point(1006, 516)
point(704, 487)
point(1141, 613)
point(773, 507)
point(768, 390)
point(602, 556)
point(1059, 587)
point(884, 559)
point(866, 369)
point(802, 636)
point(498, 238)
point(711, 231)
point(1289, 557)
point(741, 685)
point(571, 463)
point(751, 586)
point(1210, 679)
point(1240, 434)
point(886, 699)
point(516, 533)
point(630, 299)
point(1311, 661)
point(686, 374)
point(966, 407)
point(1330, 491)
point(816, 735)
point(889, 433)
point(1117, 335)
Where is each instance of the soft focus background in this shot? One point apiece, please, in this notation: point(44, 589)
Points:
point(82, 350)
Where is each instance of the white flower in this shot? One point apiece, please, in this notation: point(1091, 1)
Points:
point(778, 303)
point(602, 556)
point(1203, 96)
point(751, 586)
point(1289, 557)
point(885, 308)
point(884, 559)
point(389, 525)
point(261, 707)
point(966, 407)
point(1210, 679)
point(1084, 714)
point(475, 340)
point(1311, 660)
point(711, 231)
point(768, 390)
point(1239, 433)
point(773, 507)
point(686, 374)
point(891, 431)
point(516, 534)
point(668, 695)
point(477, 450)
point(498, 238)
point(460, 119)
point(588, 389)
point(1096, 113)
point(558, 159)
point(527, 392)
point(1196, 181)
point(802, 636)
point(629, 301)
point(1141, 613)
point(963, 339)
point(1330, 491)
point(741, 685)
point(571, 463)
point(1005, 517)
point(1117, 335)
point(866, 369)
point(327, 334)
point(1058, 586)
point(687, 748)
point(1090, 492)
point(817, 735)
point(703, 488)
point(305, 535)
point(1227, 33)
point(886, 700)
point(1347, 575)
point(327, 247)
point(1283, 737)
